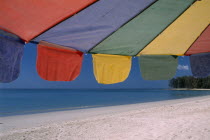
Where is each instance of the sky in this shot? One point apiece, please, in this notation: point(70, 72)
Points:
point(30, 79)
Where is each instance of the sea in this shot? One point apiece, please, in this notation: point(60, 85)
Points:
point(30, 101)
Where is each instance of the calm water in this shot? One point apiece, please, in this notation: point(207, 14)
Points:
point(15, 102)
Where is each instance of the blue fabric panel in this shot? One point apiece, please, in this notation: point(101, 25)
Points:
point(89, 27)
point(11, 52)
point(200, 64)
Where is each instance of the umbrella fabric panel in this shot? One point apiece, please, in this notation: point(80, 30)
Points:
point(54, 63)
point(181, 34)
point(200, 64)
point(140, 31)
point(11, 53)
point(89, 27)
point(158, 67)
point(29, 18)
point(10, 36)
point(202, 44)
point(111, 69)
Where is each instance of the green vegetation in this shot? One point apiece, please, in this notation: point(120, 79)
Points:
point(190, 82)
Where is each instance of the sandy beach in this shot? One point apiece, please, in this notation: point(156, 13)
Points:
point(180, 119)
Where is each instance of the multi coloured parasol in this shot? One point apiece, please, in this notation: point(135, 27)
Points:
point(113, 31)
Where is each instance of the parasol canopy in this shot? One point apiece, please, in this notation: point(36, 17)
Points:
point(113, 31)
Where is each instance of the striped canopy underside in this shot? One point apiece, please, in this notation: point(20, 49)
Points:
point(182, 33)
point(202, 44)
point(29, 18)
point(103, 27)
point(89, 27)
point(136, 34)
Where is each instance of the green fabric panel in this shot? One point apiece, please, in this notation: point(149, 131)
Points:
point(158, 67)
point(136, 34)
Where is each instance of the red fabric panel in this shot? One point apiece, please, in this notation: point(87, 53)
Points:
point(55, 63)
point(202, 44)
point(29, 18)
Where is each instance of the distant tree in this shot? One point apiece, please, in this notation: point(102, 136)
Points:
point(189, 82)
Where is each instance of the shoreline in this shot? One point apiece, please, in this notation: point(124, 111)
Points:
point(104, 89)
point(31, 124)
point(189, 89)
point(65, 100)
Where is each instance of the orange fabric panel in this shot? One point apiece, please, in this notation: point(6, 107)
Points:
point(202, 44)
point(54, 63)
point(29, 18)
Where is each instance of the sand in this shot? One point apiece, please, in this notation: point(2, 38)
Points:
point(181, 119)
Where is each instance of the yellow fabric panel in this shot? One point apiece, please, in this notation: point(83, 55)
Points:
point(110, 69)
point(181, 34)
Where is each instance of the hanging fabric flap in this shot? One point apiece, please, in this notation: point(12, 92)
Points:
point(89, 27)
point(202, 44)
point(200, 64)
point(29, 18)
point(140, 31)
point(158, 67)
point(181, 34)
point(111, 69)
point(58, 63)
point(11, 53)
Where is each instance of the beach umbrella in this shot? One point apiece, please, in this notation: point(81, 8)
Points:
point(140, 31)
point(112, 31)
point(25, 19)
point(182, 33)
point(91, 26)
